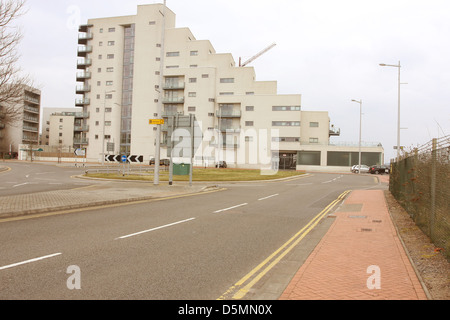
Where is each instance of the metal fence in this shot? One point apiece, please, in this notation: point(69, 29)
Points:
point(420, 181)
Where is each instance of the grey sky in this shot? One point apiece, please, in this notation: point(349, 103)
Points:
point(328, 51)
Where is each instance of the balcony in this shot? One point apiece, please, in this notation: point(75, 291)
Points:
point(173, 100)
point(172, 113)
point(84, 75)
point(29, 128)
point(81, 115)
point(82, 102)
point(80, 141)
point(83, 38)
point(84, 50)
point(31, 109)
point(334, 131)
point(82, 89)
point(174, 86)
point(229, 129)
point(84, 63)
point(84, 27)
point(228, 114)
point(83, 128)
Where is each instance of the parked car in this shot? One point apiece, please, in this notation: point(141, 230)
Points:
point(162, 162)
point(221, 164)
point(364, 168)
point(378, 169)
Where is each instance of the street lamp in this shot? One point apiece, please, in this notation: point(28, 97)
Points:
point(103, 138)
point(398, 117)
point(360, 121)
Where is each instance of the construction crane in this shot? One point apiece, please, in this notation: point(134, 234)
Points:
point(256, 56)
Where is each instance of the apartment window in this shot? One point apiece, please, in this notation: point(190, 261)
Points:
point(210, 114)
point(193, 66)
point(192, 109)
point(61, 119)
point(110, 69)
point(111, 43)
point(96, 137)
point(192, 80)
point(109, 83)
point(110, 56)
point(194, 53)
point(286, 108)
point(249, 123)
point(108, 96)
point(172, 67)
point(314, 124)
point(99, 83)
point(100, 57)
point(313, 140)
point(101, 30)
point(249, 138)
point(60, 127)
point(192, 94)
point(158, 59)
point(112, 30)
point(205, 76)
point(98, 96)
point(60, 134)
point(226, 80)
point(250, 93)
point(152, 23)
point(99, 70)
point(100, 43)
point(173, 54)
point(107, 123)
point(107, 136)
point(97, 110)
point(285, 123)
point(108, 109)
point(249, 108)
point(97, 123)
point(286, 139)
point(226, 93)
point(158, 45)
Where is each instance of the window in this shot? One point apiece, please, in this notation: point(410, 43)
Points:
point(98, 96)
point(97, 110)
point(172, 67)
point(111, 43)
point(192, 109)
point(107, 123)
point(109, 83)
point(110, 56)
point(173, 54)
point(99, 83)
point(99, 70)
point(108, 109)
point(205, 76)
point(250, 93)
point(249, 138)
point(286, 139)
point(60, 127)
point(193, 66)
point(112, 30)
point(286, 123)
point(192, 94)
point(194, 53)
point(313, 140)
point(249, 123)
point(314, 124)
point(210, 114)
point(101, 30)
point(286, 108)
point(249, 108)
point(108, 96)
point(97, 123)
point(226, 93)
point(100, 43)
point(61, 120)
point(152, 23)
point(158, 45)
point(226, 80)
point(60, 134)
point(107, 136)
point(100, 57)
point(110, 69)
point(192, 80)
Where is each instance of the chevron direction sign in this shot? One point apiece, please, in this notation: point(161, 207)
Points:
point(118, 158)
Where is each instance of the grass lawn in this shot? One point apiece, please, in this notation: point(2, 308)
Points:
point(204, 175)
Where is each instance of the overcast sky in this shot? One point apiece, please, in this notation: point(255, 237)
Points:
point(328, 51)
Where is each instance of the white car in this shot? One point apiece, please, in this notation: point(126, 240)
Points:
point(364, 168)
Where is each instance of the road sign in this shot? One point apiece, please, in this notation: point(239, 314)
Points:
point(156, 121)
point(80, 152)
point(124, 158)
point(135, 158)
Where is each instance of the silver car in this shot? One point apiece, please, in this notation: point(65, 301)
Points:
point(364, 168)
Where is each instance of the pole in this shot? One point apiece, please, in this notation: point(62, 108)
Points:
point(398, 116)
point(159, 106)
point(360, 125)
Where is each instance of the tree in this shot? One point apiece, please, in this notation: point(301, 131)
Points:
point(12, 81)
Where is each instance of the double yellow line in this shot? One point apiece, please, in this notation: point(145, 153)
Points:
point(238, 290)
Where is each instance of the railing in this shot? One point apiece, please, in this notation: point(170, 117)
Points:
point(173, 86)
point(228, 114)
point(173, 100)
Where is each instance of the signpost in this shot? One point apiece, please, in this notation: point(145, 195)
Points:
point(156, 121)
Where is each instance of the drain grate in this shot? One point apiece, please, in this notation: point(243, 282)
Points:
point(365, 230)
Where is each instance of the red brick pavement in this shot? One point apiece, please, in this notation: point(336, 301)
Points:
point(360, 250)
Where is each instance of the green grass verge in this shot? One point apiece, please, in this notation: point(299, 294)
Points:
point(203, 175)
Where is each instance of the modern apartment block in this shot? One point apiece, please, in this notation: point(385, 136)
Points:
point(244, 121)
point(25, 127)
point(60, 125)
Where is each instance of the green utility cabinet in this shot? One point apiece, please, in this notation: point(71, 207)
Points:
point(181, 169)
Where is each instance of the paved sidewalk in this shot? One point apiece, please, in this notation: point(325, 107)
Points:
point(360, 258)
point(101, 193)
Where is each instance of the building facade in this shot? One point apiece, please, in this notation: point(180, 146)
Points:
point(24, 129)
point(121, 86)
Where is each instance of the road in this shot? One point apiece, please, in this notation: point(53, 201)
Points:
point(196, 247)
point(27, 177)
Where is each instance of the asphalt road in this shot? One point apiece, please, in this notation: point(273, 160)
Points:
point(28, 177)
point(195, 247)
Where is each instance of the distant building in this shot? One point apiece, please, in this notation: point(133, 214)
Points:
point(244, 121)
point(26, 129)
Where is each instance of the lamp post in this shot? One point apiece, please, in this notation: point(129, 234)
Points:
point(103, 135)
point(359, 146)
point(398, 116)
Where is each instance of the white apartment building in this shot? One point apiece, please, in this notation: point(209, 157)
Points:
point(24, 129)
point(245, 119)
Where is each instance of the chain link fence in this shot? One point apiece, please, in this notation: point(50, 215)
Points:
point(420, 181)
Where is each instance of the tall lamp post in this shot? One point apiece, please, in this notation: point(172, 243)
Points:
point(360, 121)
point(398, 116)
